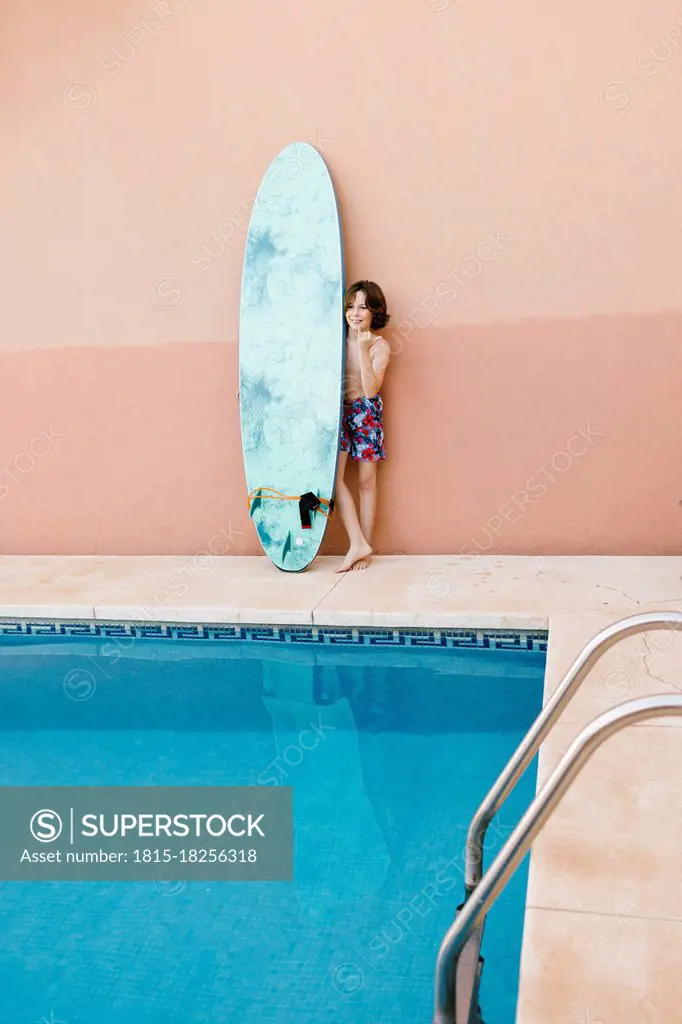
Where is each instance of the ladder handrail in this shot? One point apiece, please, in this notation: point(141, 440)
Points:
point(531, 742)
point(516, 847)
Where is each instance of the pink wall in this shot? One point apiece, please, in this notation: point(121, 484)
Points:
point(138, 134)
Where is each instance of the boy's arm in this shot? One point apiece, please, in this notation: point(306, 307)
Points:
point(373, 366)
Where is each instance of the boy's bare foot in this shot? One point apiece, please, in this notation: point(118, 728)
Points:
point(363, 563)
point(356, 554)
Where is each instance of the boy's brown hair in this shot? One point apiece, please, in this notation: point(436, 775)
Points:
point(376, 303)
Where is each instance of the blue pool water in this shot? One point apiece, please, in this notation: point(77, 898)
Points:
point(388, 754)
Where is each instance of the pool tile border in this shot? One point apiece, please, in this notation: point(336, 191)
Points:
point(508, 640)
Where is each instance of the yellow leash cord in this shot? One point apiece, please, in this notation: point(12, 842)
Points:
point(324, 505)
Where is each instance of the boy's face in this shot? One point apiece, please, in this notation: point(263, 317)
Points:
point(359, 317)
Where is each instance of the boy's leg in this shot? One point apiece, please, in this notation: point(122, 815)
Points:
point(371, 451)
point(367, 485)
point(359, 548)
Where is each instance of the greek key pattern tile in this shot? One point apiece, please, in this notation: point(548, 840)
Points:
point(508, 640)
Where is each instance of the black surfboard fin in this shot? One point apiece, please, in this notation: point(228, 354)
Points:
point(255, 503)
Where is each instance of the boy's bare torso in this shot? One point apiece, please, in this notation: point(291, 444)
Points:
point(353, 378)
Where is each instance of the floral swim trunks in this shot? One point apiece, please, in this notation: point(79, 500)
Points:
point(362, 429)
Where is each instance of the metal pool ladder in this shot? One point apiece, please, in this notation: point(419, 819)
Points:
point(459, 963)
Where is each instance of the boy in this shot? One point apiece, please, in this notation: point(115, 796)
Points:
point(362, 431)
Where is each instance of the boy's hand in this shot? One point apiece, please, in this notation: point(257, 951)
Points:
point(364, 337)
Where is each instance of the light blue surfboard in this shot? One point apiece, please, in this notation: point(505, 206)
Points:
point(292, 351)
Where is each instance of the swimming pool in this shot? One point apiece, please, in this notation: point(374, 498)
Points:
point(389, 749)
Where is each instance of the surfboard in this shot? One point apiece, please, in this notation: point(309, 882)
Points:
point(291, 355)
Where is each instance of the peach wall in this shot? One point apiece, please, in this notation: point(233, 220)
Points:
point(509, 173)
